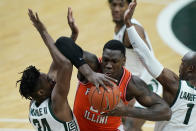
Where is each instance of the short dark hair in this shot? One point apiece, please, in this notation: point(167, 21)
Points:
point(115, 45)
point(129, 1)
point(28, 82)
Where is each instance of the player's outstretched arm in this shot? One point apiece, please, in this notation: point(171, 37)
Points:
point(156, 108)
point(166, 77)
point(57, 57)
point(75, 54)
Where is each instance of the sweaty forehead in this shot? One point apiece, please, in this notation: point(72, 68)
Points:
point(118, 1)
point(112, 53)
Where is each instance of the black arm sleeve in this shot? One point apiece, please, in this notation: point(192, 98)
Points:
point(71, 51)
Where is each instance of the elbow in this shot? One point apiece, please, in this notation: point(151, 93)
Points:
point(166, 113)
point(169, 114)
point(65, 63)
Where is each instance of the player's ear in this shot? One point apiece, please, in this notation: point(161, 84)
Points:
point(191, 68)
point(40, 92)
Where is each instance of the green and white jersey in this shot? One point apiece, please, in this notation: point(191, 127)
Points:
point(183, 111)
point(43, 119)
point(134, 64)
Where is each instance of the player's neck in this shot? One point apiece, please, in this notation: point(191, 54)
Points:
point(192, 83)
point(119, 77)
point(118, 26)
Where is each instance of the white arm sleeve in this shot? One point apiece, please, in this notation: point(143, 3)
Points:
point(153, 66)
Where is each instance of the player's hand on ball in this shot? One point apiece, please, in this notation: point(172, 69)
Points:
point(119, 110)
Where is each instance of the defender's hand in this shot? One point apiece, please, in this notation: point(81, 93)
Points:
point(72, 25)
point(129, 13)
point(36, 21)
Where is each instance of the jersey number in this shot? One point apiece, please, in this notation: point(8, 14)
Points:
point(188, 113)
point(44, 124)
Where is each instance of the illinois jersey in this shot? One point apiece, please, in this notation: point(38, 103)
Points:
point(43, 119)
point(90, 119)
point(183, 110)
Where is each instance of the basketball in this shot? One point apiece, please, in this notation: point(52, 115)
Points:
point(104, 101)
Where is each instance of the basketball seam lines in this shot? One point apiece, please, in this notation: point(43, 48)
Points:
point(92, 95)
point(102, 99)
point(113, 98)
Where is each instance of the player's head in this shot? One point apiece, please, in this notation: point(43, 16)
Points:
point(113, 58)
point(118, 8)
point(187, 69)
point(35, 85)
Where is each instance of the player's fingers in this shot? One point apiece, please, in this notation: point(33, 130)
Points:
point(135, 1)
point(31, 16)
point(30, 13)
point(103, 85)
point(97, 87)
point(111, 79)
point(109, 113)
point(104, 113)
point(37, 17)
point(69, 12)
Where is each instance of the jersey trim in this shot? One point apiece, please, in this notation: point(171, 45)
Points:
point(189, 85)
point(53, 115)
point(178, 92)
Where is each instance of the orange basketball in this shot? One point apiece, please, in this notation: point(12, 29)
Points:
point(104, 101)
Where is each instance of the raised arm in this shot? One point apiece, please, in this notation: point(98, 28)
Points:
point(72, 25)
point(70, 50)
point(63, 67)
point(166, 77)
point(57, 57)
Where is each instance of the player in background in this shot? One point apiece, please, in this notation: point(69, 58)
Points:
point(178, 91)
point(130, 86)
point(133, 64)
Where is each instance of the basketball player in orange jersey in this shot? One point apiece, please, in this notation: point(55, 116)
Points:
point(130, 86)
point(133, 64)
point(113, 60)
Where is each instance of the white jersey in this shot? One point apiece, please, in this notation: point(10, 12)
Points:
point(135, 66)
point(43, 119)
point(133, 63)
point(183, 111)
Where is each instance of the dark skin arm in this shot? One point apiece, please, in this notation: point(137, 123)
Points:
point(157, 109)
point(170, 82)
point(59, 93)
point(94, 64)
